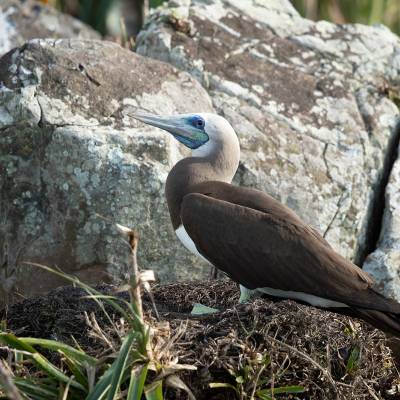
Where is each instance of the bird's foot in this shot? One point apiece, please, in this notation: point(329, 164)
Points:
point(200, 309)
point(247, 294)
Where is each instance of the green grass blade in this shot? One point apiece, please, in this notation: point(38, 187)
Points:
point(352, 362)
point(76, 371)
point(175, 382)
point(75, 354)
point(112, 300)
point(142, 344)
point(264, 397)
point(36, 390)
point(41, 361)
point(13, 342)
point(218, 385)
point(53, 371)
point(102, 386)
point(280, 390)
point(119, 365)
point(137, 381)
point(154, 391)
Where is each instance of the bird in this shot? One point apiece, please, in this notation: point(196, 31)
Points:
point(253, 238)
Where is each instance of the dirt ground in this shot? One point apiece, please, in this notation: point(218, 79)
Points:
point(331, 356)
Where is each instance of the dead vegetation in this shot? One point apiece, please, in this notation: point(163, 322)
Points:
point(249, 348)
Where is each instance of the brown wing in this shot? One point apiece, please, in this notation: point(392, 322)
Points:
point(273, 248)
point(256, 200)
point(318, 236)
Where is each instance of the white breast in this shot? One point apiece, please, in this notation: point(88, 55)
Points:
point(187, 241)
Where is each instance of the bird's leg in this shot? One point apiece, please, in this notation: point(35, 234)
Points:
point(247, 294)
point(213, 273)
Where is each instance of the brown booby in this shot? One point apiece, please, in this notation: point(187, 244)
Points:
point(257, 241)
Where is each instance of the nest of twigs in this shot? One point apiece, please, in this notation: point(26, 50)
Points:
point(263, 343)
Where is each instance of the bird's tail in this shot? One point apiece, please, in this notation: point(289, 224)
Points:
point(385, 321)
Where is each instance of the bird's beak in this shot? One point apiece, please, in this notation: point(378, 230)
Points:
point(179, 126)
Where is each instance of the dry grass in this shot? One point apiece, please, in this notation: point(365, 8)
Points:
point(306, 346)
point(261, 344)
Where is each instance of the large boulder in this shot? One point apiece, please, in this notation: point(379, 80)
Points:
point(311, 102)
point(21, 20)
point(73, 160)
point(308, 100)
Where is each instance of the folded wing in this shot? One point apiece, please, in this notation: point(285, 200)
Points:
point(261, 243)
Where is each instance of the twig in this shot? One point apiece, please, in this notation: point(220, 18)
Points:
point(271, 364)
point(135, 283)
point(371, 391)
point(253, 392)
point(66, 390)
point(11, 390)
point(147, 288)
point(309, 359)
point(178, 334)
point(134, 290)
point(281, 369)
point(133, 238)
point(328, 359)
point(96, 330)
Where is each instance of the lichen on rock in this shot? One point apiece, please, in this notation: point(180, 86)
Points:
point(74, 160)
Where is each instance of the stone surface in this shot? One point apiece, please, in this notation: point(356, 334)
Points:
point(384, 263)
point(311, 102)
point(21, 20)
point(308, 100)
point(72, 159)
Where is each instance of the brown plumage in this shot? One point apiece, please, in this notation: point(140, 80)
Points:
point(259, 242)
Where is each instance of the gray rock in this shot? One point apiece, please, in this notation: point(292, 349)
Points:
point(21, 20)
point(308, 101)
point(72, 160)
point(384, 263)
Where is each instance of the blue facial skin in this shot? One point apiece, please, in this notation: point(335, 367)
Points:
point(196, 134)
point(197, 121)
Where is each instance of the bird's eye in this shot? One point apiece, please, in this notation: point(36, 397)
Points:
point(198, 122)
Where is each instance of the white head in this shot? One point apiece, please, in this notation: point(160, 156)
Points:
point(215, 146)
point(204, 133)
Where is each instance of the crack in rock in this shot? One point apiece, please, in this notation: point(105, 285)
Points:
point(377, 205)
point(381, 258)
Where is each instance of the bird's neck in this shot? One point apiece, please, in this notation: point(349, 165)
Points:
point(208, 164)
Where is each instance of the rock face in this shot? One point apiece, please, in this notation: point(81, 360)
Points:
point(384, 263)
point(21, 20)
point(72, 158)
point(308, 100)
point(312, 104)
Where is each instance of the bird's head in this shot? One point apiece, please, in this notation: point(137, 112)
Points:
point(201, 132)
